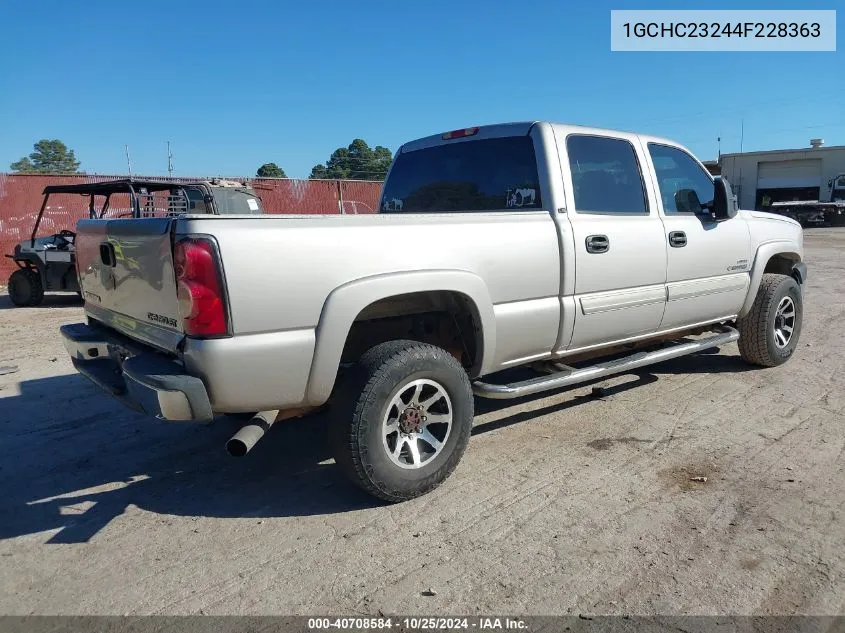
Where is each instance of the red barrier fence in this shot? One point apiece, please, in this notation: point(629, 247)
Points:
point(21, 198)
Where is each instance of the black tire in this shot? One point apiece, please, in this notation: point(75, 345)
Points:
point(362, 402)
point(25, 289)
point(758, 338)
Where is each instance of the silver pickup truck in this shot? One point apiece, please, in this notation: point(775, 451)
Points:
point(576, 252)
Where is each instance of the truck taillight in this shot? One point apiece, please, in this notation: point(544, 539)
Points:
point(199, 288)
point(469, 131)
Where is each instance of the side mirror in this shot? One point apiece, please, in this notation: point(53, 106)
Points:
point(724, 204)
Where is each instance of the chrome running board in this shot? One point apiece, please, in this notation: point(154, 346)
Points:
point(600, 370)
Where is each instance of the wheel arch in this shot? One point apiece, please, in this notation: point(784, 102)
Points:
point(348, 302)
point(774, 257)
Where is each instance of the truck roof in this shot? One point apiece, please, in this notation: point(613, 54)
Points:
point(524, 127)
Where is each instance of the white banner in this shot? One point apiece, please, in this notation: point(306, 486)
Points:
point(706, 30)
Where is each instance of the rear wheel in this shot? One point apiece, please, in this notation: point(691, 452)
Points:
point(768, 335)
point(402, 419)
point(25, 288)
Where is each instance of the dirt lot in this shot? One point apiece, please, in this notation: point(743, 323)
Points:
point(562, 504)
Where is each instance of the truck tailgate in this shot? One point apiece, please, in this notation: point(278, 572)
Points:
point(127, 279)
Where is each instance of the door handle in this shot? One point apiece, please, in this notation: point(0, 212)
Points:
point(677, 239)
point(597, 244)
point(107, 255)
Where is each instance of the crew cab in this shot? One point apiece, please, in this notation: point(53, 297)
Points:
point(575, 252)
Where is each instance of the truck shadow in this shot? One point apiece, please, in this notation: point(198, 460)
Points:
point(706, 361)
point(73, 460)
point(59, 300)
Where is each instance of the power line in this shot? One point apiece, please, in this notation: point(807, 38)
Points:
point(355, 159)
point(768, 132)
point(697, 116)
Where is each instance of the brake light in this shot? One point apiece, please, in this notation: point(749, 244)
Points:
point(199, 288)
point(470, 131)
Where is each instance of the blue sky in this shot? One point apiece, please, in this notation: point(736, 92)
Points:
point(237, 84)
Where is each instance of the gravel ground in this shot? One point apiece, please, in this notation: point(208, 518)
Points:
point(563, 504)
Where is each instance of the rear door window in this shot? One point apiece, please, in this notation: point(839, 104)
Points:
point(606, 175)
point(497, 174)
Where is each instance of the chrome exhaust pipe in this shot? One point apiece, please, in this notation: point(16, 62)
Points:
point(243, 441)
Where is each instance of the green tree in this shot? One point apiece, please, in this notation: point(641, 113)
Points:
point(48, 157)
point(358, 161)
point(270, 170)
point(451, 196)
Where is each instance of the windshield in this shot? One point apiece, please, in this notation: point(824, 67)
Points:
point(232, 201)
point(494, 174)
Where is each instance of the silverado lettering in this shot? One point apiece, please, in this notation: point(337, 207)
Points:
point(158, 318)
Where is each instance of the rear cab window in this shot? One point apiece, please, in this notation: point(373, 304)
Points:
point(492, 174)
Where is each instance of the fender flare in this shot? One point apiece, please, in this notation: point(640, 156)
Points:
point(764, 253)
point(346, 302)
point(33, 261)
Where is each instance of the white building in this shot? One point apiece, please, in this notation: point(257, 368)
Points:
point(760, 178)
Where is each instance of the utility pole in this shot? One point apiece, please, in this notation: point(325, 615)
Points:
point(169, 160)
point(128, 161)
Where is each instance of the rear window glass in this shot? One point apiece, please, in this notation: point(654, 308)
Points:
point(233, 201)
point(497, 174)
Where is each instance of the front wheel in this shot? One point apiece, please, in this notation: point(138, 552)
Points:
point(768, 335)
point(25, 289)
point(402, 419)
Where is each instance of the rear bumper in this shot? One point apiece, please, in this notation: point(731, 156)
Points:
point(143, 380)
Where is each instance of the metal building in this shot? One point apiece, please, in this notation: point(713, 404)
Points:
point(760, 178)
